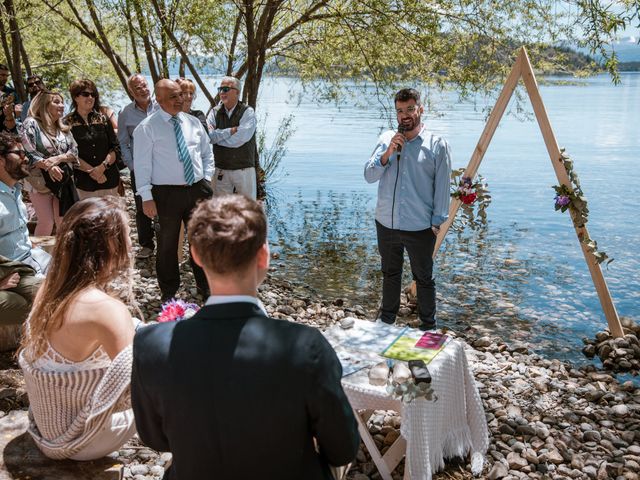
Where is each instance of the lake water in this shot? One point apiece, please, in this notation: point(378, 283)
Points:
point(521, 278)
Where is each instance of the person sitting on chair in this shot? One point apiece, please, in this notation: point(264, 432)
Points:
point(207, 387)
point(22, 267)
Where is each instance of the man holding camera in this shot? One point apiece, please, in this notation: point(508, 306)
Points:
point(413, 168)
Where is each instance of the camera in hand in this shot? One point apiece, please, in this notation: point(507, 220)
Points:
point(419, 371)
point(6, 99)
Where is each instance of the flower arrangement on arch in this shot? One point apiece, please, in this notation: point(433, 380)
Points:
point(176, 310)
point(466, 191)
point(475, 199)
point(572, 198)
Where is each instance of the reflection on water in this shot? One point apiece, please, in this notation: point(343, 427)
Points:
point(493, 280)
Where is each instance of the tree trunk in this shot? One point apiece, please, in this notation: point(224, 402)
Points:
point(144, 34)
point(132, 37)
point(232, 48)
point(181, 50)
point(25, 61)
point(121, 68)
point(15, 60)
point(5, 43)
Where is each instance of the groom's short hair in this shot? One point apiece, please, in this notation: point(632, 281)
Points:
point(226, 232)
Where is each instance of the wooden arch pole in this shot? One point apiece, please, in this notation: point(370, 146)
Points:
point(522, 69)
point(529, 79)
point(485, 139)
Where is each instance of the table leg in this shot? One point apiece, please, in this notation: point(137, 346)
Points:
point(389, 461)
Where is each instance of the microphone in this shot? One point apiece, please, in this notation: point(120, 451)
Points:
point(401, 129)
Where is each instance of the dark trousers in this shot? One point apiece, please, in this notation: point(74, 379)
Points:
point(143, 223)
point(419, 246)
point(174, 205)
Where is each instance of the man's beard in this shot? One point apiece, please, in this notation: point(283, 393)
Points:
point(18, 171)
point(410, 123)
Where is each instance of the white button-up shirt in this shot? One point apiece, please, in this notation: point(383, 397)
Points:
point(155, 150)
point(220, 299)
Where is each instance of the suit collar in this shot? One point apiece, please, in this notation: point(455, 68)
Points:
point(230, 310)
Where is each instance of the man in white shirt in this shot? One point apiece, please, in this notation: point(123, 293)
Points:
point(232, 127)
point(128, 120)
point(174, 164)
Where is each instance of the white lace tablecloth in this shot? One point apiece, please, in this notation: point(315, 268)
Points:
point(454, 425)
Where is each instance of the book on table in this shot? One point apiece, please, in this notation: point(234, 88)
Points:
point(413, 344)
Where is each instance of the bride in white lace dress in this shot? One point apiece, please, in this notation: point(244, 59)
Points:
point(76, 352)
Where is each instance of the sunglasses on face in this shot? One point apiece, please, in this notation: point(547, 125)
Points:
point(88, 94)
point(20, 153)
point(226, 89)
point(31, 85)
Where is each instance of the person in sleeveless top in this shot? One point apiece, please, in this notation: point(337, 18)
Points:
point(78, 338)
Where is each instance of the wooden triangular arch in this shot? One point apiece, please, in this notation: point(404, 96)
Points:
point(522, 69)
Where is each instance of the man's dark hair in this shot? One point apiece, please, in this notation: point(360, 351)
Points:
point(407, 94)
point(4, 67)
point(226, 232)
point(8, 140)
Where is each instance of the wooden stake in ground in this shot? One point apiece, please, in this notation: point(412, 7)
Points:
point(522, 69)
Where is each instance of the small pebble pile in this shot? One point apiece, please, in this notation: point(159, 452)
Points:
point(617, 354)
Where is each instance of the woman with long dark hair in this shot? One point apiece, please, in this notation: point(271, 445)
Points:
point(76, 351)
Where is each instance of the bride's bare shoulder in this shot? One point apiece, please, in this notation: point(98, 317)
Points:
point(94, 305)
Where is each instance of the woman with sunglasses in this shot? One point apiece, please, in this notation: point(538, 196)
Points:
point(188, 96)
point(98, 147)
point(52, 153)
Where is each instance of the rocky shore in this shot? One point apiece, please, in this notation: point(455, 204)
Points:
point(546, 419)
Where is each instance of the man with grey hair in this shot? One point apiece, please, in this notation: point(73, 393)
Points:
point(232, 128)
point(129, 118)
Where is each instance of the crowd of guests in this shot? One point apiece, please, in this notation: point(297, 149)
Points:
point(202, 389)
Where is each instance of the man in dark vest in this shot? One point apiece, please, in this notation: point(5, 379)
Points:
point(232, 128)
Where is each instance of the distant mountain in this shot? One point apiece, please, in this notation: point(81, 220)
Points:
point(627, 50)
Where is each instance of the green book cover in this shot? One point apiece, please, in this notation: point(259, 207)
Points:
point(404, 347)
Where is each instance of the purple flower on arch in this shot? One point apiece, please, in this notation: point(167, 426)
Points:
point(562, 200)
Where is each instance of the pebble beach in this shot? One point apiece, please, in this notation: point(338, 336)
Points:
point(546, 418)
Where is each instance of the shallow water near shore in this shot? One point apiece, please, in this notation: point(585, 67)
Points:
point(523, 277)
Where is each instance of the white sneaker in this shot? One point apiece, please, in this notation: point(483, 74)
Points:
point(145, 252)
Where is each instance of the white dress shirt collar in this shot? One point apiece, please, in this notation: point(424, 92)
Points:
point(229, 112)
point(166, 116)
point(221, 299)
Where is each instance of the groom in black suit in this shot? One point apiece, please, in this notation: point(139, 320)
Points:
point(232, 393)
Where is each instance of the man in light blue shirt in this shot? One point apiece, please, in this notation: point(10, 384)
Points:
point(22, 267)
point(128, 119)
point(413, 168)
point(174, 164)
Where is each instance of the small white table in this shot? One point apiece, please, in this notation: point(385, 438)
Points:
point(454, 425)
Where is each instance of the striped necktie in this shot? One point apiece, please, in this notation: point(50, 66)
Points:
point(183, 152)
